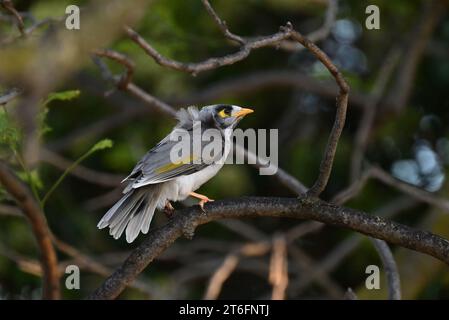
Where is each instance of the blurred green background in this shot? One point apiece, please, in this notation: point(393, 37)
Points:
point(409, 140)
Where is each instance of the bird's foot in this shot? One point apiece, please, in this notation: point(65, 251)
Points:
point(168, 209)
point(203, 200)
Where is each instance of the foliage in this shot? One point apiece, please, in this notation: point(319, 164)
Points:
point(69, 123)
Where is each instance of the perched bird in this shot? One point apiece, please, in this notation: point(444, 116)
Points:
point(156, 179)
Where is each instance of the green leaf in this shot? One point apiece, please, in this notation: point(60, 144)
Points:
point(32, 178)
point(54, 96)
point(62, 96)
point(42, 121)
point(103, 144)
point(9, 133)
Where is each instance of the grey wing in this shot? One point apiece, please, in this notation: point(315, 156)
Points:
point(157, 165)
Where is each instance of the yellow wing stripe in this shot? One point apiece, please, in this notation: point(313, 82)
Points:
point(171, 166)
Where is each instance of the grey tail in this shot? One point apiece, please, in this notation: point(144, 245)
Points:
point(133, 212)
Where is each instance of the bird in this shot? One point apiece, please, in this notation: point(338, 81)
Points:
point(156, 180)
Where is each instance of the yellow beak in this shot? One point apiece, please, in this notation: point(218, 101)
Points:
point(243, 112)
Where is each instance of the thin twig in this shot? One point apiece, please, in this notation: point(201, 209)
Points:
point(285, 178)
point(319, 34)
point(67, 170)
point(9, 95)
point(340, 117)
point(420, 194)
point(211, 63)
point(369, 113)
point(350, 295)
point(308, 265)
point(419, 38)
point(9, 6)
point(281, 175)
point(8, 210)
point(284, 33)
point(123, 60)
point(28, 31)
point(391, 269)
point(222, 24)
point(278, 276)
point(220, 276)
point(353, 189)
point(377, 173)
point(86, 174)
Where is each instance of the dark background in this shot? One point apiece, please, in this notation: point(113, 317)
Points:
point(409, 139)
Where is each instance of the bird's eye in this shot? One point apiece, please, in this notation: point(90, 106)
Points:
point(226, 112)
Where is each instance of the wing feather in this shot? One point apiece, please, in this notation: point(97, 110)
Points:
point(156, 166)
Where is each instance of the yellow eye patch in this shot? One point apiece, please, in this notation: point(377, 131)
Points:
point(223, 114)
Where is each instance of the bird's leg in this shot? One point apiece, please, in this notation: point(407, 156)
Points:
point(168, 209)
point(203, 199)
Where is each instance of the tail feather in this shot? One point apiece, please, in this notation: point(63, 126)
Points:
point(104, 222)
point(149, 213)
point(125, 219)
point(133, 213)
point(133, 229)
point(127, 209)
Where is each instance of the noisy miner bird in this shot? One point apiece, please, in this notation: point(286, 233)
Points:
point(156, 179)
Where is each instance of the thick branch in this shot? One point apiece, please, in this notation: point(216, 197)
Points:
point(345, 248)
point(185, 222)
point(40, 229)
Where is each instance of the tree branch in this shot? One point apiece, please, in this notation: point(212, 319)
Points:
point(9, 95)
point(285, 178)
point(345, 248)
point(284, 33)
point(9, 6)
point(185, 221)
point(222, 24)
point(211, 63)
point(278, 275)
point(40, 229)
point(377, 173)
point(319, 34)
point(89, 175)
point(124, 81)
point(340, 117)
point(220, 275)
point(369, 113)
point(419, 38)
point(391, 269)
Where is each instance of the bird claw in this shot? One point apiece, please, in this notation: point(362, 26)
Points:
point(203, 202)
point(168, 210)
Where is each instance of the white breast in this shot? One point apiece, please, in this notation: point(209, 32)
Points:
point(191, 182)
